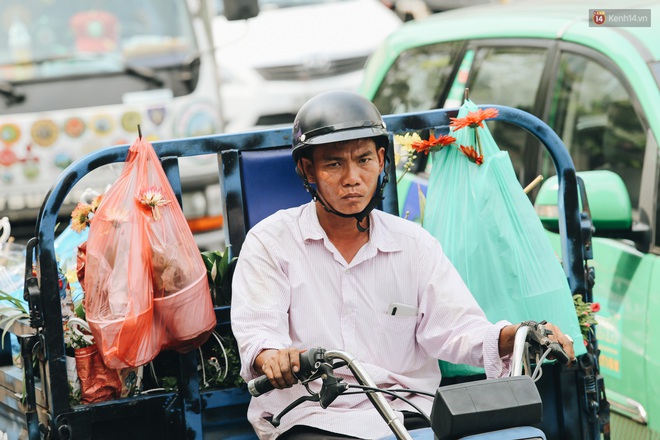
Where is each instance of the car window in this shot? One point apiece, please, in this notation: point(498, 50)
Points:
point(655, 68)
point(509, 76)
point(593, 114)
point(417, 78)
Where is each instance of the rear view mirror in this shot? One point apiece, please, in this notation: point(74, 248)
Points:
point(609, 203)
point(241, 9)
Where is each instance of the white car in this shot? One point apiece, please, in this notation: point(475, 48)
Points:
point(270, 65)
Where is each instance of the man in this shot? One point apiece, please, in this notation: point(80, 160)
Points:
point(328, 274)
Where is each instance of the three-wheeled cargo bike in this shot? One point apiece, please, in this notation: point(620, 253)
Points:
point(257, 175)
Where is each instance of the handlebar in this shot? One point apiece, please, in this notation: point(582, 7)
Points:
point(538, 347)
point(318, 363)
point(531, 340)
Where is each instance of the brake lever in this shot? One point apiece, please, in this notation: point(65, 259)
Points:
point(277, 419)
point(332, 386)
point(331, 389)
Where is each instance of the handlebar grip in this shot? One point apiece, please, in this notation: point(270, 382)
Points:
point(259, 385)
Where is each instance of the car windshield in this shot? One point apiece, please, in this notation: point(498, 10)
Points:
point(65, 37)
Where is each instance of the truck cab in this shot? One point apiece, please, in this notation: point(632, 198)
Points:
point(76, 77)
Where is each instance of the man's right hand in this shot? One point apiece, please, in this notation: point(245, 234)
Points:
point(279, 366)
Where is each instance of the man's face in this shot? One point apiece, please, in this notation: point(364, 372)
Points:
point(345, 173)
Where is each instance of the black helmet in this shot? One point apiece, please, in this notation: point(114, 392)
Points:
point(337, 116)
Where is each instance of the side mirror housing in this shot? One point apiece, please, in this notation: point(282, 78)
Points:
point(609, 203)
point(240, 9)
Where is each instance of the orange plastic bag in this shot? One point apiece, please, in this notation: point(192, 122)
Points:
point(145, 281)
point(98, 383)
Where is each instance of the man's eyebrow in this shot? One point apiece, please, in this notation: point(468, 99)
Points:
point(330, 158)
point(337, 158)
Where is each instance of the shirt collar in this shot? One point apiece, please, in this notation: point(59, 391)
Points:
point(380, 236)
point(310, 227)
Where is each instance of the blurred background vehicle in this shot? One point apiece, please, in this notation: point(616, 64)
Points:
point(446, 5)
point(599, 89)
point(408, 9)
point(76, 76)
point(292, 50)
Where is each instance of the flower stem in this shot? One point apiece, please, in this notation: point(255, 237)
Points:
point(478, 140)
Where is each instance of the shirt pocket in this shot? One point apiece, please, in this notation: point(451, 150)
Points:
point(389, 341)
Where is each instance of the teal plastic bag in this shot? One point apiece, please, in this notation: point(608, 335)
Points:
point(488, 228)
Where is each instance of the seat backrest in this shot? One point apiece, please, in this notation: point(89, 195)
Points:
point(270, 183)
point(257, 184)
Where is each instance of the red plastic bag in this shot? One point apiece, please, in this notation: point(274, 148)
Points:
point(145, 281)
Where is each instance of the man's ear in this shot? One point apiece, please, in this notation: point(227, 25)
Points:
point(305, 167)
point(381, 158)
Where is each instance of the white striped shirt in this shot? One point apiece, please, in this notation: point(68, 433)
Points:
point(293, 288)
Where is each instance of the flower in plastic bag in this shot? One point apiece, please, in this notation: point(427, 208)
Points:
point(472, 154)
point(117, 216)
point(81, 216)
point(153, 198)
point(433, 144)
point(473, 119)
point(96, 202)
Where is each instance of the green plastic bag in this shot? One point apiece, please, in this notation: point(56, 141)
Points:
point(489, 230)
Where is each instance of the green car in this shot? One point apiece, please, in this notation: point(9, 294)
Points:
point(594, 77)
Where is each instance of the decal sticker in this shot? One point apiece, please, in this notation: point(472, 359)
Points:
point(74, 127)
point(44, 132)
point(198, 119)
point(30, 164)
point(610, 339)
point(102, 125)
point(7, 157)
point(7, 177)
point(157, 115)
point(31, 169)
point(130, 121)
point(9, 133)
point(62, 160)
